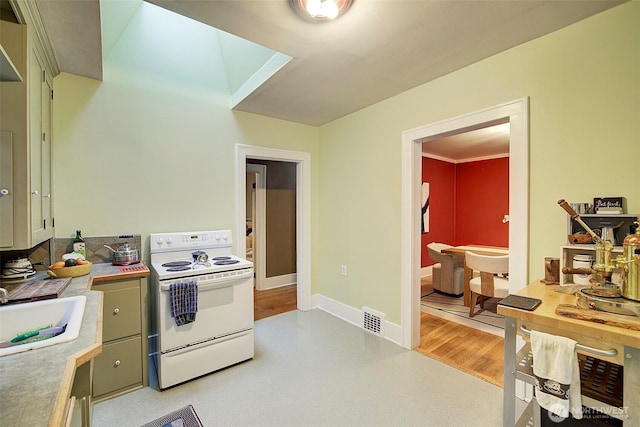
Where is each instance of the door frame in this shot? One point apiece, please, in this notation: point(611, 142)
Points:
point(303, 209)
point(259, 225)
point(517, 112)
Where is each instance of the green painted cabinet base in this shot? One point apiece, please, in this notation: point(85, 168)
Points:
point(118, 368)
point(123, 364)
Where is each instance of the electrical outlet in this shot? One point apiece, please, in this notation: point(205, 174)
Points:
point(343, 270)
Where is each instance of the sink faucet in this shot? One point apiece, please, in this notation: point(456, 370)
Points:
point(3, 295)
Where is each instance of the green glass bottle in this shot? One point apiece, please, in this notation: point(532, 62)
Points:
point(78, 245)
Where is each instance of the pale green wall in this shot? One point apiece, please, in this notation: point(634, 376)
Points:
point(584, 88)
point(132, 151)
point(151, 148)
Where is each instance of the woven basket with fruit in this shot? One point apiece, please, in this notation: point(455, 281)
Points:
point(74, 265)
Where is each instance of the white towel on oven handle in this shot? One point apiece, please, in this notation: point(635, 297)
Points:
point(557, 374)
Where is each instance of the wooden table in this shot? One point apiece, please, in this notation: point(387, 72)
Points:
point(625, 343)
point(459, 251)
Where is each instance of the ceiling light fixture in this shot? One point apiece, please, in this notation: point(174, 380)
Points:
point(321, 10)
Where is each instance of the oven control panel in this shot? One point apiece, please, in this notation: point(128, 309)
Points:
point(161, 242)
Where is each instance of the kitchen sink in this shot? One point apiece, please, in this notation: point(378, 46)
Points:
point(20, 318)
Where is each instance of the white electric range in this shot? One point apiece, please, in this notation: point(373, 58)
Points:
point(222, 332)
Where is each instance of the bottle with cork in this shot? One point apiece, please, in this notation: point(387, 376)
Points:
point(78, 245)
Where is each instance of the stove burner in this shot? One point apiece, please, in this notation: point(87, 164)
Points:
point(176, 264)
point(181, 268)
point(226, 262)
point(221, 258)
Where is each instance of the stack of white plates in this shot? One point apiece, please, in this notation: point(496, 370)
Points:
point(19, 269)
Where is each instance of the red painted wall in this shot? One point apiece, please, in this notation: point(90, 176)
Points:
point(482, 200)
point(467, 203)
point(441, 177)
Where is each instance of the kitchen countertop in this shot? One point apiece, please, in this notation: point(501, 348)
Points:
point(546, 316)
point(35, 385)
point(594, 337)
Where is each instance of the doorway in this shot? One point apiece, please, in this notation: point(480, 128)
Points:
point(271, 236)
point(302, 163)
point(517, 114)
point(275, 230)
point(468, 175)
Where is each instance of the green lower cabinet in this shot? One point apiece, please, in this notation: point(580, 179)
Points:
point(118, 368)
point(123, 364)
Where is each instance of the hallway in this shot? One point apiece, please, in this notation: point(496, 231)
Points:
point(274, 301)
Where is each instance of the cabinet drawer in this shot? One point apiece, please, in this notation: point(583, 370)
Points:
point(118, 366)
point(121, 312)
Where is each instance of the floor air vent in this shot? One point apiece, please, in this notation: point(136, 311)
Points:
point(372, 321)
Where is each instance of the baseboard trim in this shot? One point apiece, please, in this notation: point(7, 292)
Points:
point(279, 281)
point(426, 271)
point(392, 331)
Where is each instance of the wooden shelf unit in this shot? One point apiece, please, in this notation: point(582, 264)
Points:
point(569, 251)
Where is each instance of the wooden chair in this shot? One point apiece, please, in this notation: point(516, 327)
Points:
point(448, 272)
point(493, 281)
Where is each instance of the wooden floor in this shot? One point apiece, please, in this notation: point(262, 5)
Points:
point(475, 352)
point(274, 301)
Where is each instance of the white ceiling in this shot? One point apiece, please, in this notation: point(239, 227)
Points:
point(378, 49)
point(477, 144)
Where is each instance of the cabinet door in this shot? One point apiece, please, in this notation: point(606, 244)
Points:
point(40, 145)
point(47, 147)
point(121, 310)
point(35, 142)
point(6, 189)
point(118, 366)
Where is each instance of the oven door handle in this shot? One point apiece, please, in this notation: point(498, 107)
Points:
point(216, 283)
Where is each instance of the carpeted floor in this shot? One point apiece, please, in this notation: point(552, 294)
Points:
point(453, 309)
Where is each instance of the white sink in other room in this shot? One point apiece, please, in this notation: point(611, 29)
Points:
point(20, 318)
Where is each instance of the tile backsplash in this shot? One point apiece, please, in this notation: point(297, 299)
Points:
point(94, 246)
point(40, 255)
point(50, 251)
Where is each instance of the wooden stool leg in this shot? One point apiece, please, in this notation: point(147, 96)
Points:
point(472, 305)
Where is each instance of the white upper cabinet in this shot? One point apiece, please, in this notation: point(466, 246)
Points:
point(25, 120)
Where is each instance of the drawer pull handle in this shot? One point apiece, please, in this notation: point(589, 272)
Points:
point(116, 311)
point(609, 353)
point(117, 363)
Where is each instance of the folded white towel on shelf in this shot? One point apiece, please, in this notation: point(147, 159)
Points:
point(557, 374)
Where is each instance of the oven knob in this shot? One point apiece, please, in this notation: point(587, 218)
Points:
point(217, 237)
point(160, 241)
point(168, 240)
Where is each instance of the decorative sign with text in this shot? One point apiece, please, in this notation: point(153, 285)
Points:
point(608, 204)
